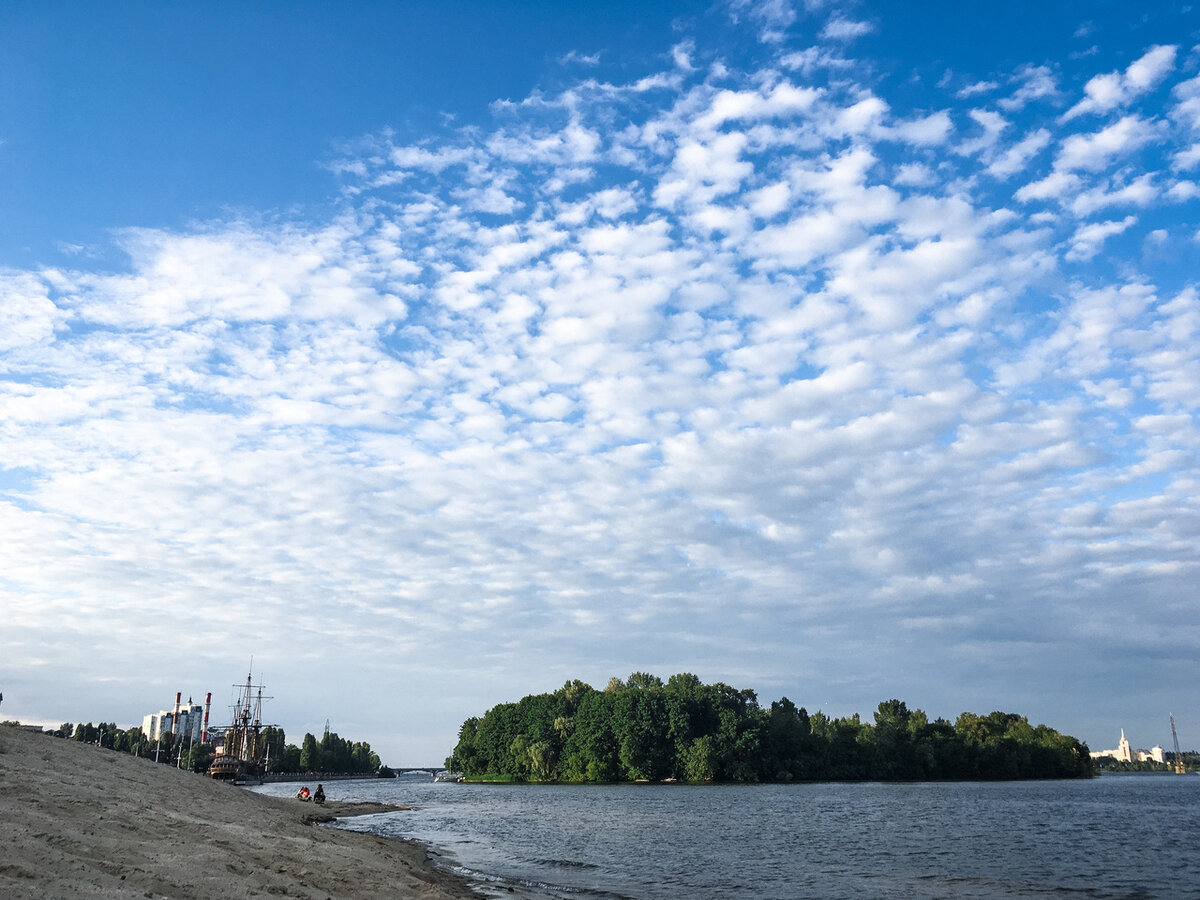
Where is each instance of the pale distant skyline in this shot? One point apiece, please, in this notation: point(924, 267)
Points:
point(431, 355)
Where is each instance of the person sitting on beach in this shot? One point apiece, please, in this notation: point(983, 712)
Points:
point(302, 794)
point(319, 796)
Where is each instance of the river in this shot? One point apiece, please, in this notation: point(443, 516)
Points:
point(1117, 836)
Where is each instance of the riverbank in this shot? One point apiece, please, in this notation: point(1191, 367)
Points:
point(77, 820)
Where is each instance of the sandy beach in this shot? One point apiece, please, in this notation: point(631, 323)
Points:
point(80, 821)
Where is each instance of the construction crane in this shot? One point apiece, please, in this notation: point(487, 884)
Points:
point(1179, 769)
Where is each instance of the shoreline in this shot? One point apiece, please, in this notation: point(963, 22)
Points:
point(78, 820)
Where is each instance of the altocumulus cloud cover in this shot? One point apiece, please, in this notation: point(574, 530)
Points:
point(788, 356)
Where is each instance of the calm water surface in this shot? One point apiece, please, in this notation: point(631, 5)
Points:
point(1111, 837)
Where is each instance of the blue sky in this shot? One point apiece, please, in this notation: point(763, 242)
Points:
point(435, 354)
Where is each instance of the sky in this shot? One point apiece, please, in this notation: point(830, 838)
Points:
point(422, 356)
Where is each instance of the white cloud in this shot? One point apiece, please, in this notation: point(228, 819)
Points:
point(925, 130)
point(769, 201)
point(576, 58)
point(1115, 89)
point(1182, 191)
point(28, 316)
point(861, 118)
point(992, 123)
point(682, 55)
point(783, 99)
point(1094, 151)
point(1187, 159)
point(914, 175)
point(1018, 156)
point(1187, 108)
point(1139, 192)
point(814, 59)
point(1034, 83)
point(701, 172)
point(772, 17)
point(241, 274)
point(840, 28)
point(1088, 239)
point(894, 286)
point(978, 87)
point(1055, 186)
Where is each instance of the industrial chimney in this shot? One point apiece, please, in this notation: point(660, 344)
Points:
point(175, 714)
point(207, 704)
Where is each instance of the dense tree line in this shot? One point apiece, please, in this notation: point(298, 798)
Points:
point(170, 749)
point(1190, 758)
point(332, 755)
point(643, 729)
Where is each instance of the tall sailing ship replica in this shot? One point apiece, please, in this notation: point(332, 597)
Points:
point(243, 756)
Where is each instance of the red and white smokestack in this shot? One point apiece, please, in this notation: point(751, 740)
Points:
point(207, 704)
point(175, 714)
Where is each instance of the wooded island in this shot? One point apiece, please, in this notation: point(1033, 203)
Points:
point(644, 730)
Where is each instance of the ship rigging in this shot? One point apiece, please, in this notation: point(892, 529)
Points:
point(243, 756)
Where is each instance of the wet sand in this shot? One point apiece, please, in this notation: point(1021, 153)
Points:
point(80, 821)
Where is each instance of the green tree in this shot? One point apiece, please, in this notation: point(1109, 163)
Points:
point(592, 746)
point(643, 681)
point(310, 755)
point(542, 757)
point(895, 756)
point(738, 738)
point(699, 760)
point(464, 757)
point(290, 759)
point(362, 760)
point(641, 728)
point(273, 741)
point(518, 762)
point(199, 757)
point(787, 744)
point(690, 714)
point(494, 737)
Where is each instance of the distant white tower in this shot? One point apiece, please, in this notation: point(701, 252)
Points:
point(1124, 751)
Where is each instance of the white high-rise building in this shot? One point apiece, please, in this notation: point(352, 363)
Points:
point(1124, 751)
point(191, 722)
point(1154, 754)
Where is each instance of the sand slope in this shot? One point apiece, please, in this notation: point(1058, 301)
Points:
point(79, 821)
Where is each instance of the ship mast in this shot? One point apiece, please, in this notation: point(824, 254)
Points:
point(247, 723)
point(244, 750)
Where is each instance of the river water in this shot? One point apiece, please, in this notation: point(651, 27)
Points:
point(1110, 837)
